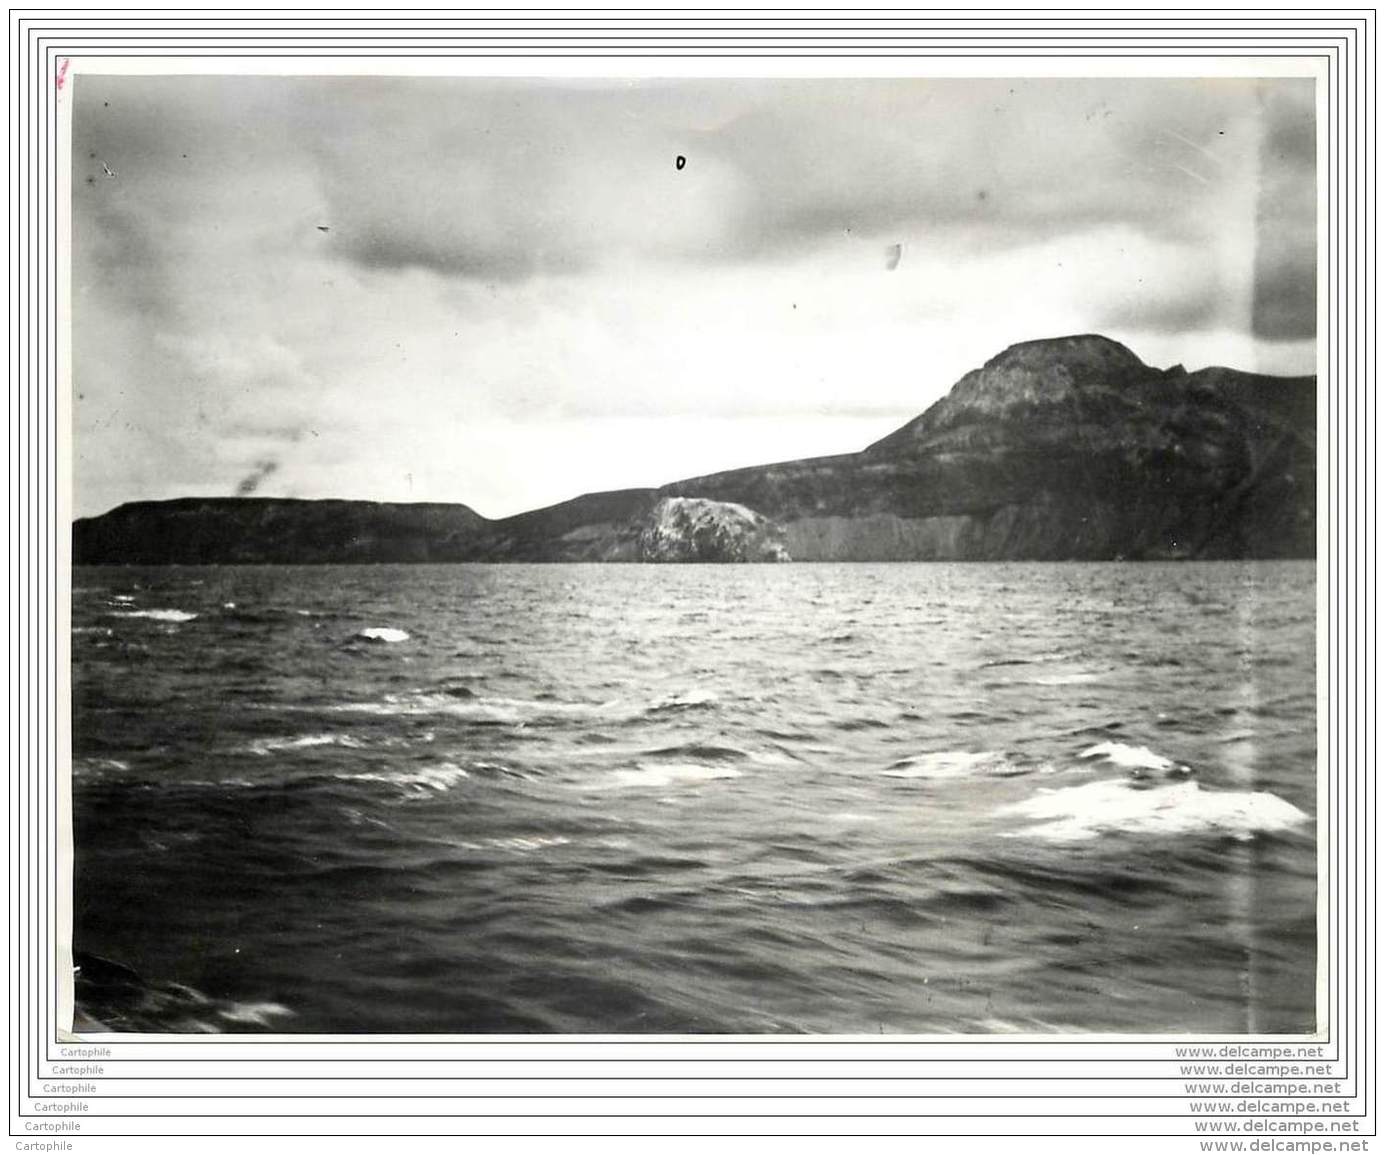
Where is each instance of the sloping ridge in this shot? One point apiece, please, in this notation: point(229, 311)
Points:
point(1066, 448)
point(273, 530)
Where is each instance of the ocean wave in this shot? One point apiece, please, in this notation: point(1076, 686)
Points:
point(265, 746)
point(687, 700)
point(1078, 813)
point(1079, 678)
point(1135, 758)
point(111, 997)
point(157, 615)
point(257, 1014)
point(98, 767)
point(700, 752)
point(383, 634)
point(521, 844)
point(448, 703)
point(956, 764)
point(258, 615)
point(430, 779)
point(671, 773)
point(486, 769)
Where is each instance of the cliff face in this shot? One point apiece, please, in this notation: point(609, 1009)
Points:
point(1066, 448)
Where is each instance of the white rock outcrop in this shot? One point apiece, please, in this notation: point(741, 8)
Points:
point(693, 529)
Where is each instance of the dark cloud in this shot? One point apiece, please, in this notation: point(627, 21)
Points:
point(1286, 257)
point(504, 180)
point(496, 179)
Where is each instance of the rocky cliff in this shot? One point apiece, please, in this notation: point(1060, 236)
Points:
point(1064, 448)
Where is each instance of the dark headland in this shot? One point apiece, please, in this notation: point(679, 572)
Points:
point(1070, 448)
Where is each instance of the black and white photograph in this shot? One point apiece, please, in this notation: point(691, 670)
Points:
point(590, 555)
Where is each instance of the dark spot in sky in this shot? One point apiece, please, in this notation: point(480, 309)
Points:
point(981, 194)
point(252, 480)
point(324, 228)
point(680, 162)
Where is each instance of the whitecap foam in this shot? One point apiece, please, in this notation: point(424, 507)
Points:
point(668, 773)
point(1130, 757)
point(256, 1014)
point(383, 634)
point(949, 764)
point(265, 746)
point(157, 615)
point(686, 700)
point(1083, 812)
point(86, 766)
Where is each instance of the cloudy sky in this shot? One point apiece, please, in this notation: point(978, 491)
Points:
point(508, 292)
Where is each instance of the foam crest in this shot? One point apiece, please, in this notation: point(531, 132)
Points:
point(1084, 812)
point(383, 634)
point(1130, 757)
point(157, 615)
point(670, 773)
point(98, 767)
point(264, 746)
point(255, 1014)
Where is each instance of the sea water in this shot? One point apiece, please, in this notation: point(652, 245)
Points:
point(852, 799)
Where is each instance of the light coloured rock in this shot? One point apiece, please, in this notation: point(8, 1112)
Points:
point(692, 529)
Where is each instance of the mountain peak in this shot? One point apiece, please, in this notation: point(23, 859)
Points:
point(1090, 352)
point(1046, 374)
